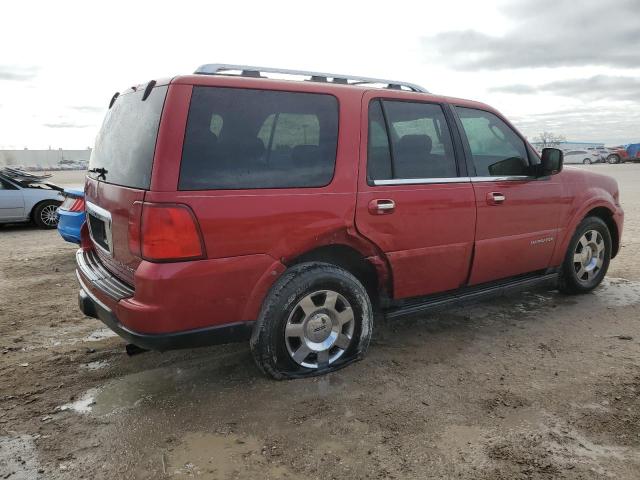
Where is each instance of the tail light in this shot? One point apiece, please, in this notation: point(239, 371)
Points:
point(167, 232)
point(73, 204)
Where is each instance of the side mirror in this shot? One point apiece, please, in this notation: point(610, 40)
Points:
point(552, 160)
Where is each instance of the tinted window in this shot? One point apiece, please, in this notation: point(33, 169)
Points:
point(421, 144)
point(379, 154)
point(496, 149)
point(6, 185)
point(126, 142)
point(243, 139)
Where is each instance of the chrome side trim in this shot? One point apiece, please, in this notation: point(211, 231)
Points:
point(502, 179)
point(105, 216)
point(421, 181)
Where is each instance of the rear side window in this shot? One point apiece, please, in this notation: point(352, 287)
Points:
point(127, 140)
point(495, 148)
point(409, 140)
point(247, 139)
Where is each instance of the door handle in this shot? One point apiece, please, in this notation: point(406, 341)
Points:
point(381, 206)
point(495, 198)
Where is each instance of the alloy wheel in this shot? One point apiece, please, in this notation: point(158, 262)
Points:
point(49, 215)
point(588, 256)
point(319, 329)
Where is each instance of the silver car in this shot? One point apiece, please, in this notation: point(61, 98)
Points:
point(25, 197)
point(581, 156)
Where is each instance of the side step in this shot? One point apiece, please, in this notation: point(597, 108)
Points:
point(470, 294)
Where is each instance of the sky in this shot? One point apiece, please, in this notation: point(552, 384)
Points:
point(572, 68)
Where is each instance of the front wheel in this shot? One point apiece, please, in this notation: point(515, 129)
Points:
point(613, 159)
point(45, 215)
point(316, 318)
point(587, 161)
point(587, 258)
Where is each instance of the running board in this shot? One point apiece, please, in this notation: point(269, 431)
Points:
point(470, 294)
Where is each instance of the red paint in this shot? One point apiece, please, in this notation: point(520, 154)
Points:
point(518, 234)
point(435, 237)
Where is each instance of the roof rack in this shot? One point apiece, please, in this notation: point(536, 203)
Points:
point(256, 72)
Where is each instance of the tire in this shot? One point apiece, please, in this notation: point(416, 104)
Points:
point(317, 307)
point(613, 159)
point(586, 161)
point(585, 265)
point(45, 215)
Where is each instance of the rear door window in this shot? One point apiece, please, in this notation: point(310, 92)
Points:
point(248, 139)
point(409, 140)
point(126, 142)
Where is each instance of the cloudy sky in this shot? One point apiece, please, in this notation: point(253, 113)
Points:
point(569, 67)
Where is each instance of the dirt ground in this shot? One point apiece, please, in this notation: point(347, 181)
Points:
point(534, 386)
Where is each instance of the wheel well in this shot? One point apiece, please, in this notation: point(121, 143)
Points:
point(348, 258)
point(607, 217)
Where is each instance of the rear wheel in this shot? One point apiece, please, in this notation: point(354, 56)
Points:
point(587, 258)
point(317, 318)
point(45, 215)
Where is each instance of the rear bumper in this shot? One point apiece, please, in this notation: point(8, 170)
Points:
point(69, 224)
point(91, 306)
point(178, 305)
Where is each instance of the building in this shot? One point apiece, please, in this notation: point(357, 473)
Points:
point(45, 159)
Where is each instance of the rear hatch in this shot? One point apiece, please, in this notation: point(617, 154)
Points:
point(120, 174)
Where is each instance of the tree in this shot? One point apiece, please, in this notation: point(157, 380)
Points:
point(549, 139)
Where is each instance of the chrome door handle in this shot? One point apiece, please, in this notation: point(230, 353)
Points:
point(495, 198)
point(381, 206)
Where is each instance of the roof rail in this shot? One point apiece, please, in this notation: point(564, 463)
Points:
point(251, 71)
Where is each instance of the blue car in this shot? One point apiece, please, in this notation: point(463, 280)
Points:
point(71, 215)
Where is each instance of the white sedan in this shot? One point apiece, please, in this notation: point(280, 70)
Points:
point(25, 197)
point(581, 156)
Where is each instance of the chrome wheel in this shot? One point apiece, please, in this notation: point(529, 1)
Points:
point(319, 329)
point(588, 256)
point(49, 215)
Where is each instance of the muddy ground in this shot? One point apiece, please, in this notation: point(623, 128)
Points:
point(536, 386)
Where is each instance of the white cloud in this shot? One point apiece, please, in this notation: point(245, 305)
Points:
point(81, 52)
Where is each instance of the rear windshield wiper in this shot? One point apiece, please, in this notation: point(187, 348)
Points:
point(102, 172)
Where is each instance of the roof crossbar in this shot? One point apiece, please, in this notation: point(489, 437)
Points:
point(251, 71)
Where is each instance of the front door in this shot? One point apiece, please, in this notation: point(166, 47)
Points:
point(517, 225)
point(414, 199)
point(11, 202)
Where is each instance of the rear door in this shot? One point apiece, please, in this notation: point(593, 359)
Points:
point(414, 199)
point(518, 214)
point(120, 174)
point(11, 202)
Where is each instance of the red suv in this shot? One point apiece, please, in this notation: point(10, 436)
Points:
point(228, 206)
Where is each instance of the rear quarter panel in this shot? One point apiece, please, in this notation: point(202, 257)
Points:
point(280, 223)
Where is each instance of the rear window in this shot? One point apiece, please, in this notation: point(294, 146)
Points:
point(126, 142)
point(248, 139)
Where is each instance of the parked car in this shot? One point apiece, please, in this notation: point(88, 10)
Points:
point(617, 155)
point(581, 156)
point(633, 152)
point(71, 215)
point(26, 197)
point(227, 206)
point(602, 153)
